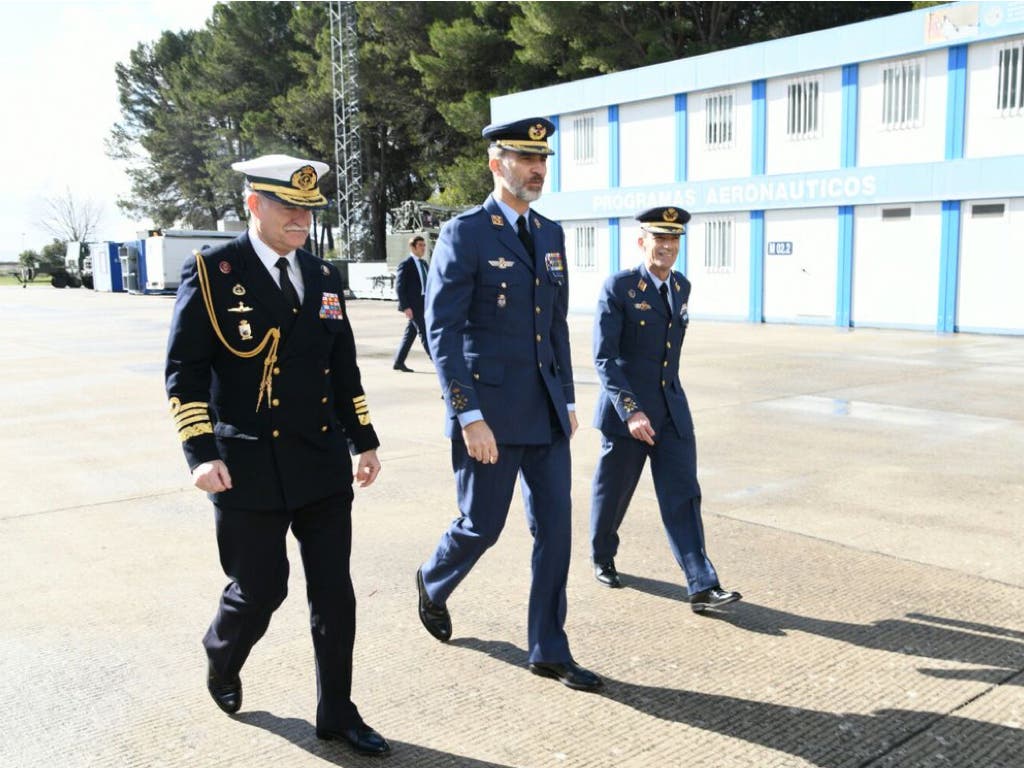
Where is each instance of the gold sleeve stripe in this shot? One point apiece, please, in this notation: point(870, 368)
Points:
point(197, 419)
point(206, 428)
point(359, 399)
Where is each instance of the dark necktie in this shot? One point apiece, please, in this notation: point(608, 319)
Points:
point(663, 290)
point(423, 275)
point(524, 235)
point(290, 295)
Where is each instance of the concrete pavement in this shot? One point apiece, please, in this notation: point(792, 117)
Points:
point(863, 489)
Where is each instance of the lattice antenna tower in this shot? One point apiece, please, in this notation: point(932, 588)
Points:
point(348, 155)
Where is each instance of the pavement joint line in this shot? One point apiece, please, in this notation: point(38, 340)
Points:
point(141, 497)
point(844, 545)
point(939, 718)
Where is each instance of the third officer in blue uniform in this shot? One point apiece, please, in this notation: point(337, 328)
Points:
point(642, 411)
point(497, 298)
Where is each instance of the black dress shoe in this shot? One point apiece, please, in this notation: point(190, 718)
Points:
point(402, 367)
point(568, 673)
point(362, 738)
point(227, 694)
point(606, 574)
point(435, 618)
point(712, 598)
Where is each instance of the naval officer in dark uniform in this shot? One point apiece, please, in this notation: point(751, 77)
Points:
point(267, 399)
point(497, 298)
point(642, 410)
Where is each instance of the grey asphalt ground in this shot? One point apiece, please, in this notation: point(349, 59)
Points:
point(863, 489)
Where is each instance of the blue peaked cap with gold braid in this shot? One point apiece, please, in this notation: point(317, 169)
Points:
point(289, 180)
point(528, 137)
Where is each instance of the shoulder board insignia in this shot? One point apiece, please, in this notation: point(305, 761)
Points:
point(501, 263)
point(642, 285)
point(497, 221)
point(675, 285)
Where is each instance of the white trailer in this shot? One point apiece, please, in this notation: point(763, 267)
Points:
point(166, 250)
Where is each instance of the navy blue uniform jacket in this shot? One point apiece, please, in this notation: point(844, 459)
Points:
point(496, 323)
point(294, 448)
point(636, 352)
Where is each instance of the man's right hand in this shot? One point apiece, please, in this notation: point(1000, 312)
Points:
point(640, 427)
point(212, 477)
point(480, 443)
point(408, 313)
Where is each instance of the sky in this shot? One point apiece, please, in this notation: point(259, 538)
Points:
point(59, 94)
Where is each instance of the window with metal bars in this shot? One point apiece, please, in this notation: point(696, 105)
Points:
point(718, 251)
point(718, 130)
point(803, 108)
point(1010, 89)
point(585, 256)
point(583, 140)
point(901, 95)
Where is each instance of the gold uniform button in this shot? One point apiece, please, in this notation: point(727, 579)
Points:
point(504, 285)
point(538, 338)
point(323, 400)
point(275, 402)
point(643, 322)
point(663, 382)
point(295, 311)
point(668, 344)
point(276, 433)
point(324, 427)
point(540, 365)
point(276, 370)
point(669, 323)
point(476, 376)
point(537, 310)
point(664, 364)
point(537, 281)
point(326, 371)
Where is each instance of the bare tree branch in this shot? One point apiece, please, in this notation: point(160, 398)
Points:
point(69, 218)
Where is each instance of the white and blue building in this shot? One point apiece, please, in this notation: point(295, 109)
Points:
point(866, 175)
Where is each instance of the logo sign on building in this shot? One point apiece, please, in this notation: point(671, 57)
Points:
point(780, 248)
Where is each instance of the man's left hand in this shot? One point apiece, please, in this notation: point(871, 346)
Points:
point(572, 424)
point(367, 469)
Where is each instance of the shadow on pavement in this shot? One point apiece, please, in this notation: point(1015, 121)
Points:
point(821, 738)
point(301, 734)
point(930, 637)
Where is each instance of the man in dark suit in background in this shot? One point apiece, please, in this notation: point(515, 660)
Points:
point(410, 285)
point(267, 398)
point(642, 411)
point(497, 298)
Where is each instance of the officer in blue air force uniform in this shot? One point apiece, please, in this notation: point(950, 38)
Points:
point(266, 395)
point(642, 411)
point(497, 298)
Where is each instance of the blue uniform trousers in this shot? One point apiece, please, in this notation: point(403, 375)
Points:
point(252, 545)
point(484, 494)
point(674, 469)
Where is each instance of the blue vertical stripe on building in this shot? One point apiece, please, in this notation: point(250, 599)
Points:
point(613, 146)
point(758, 89)
point(613, 246)
point(949, 265)
point(756, 266)
point(681, 137)
point(555, 161)
point(956, 101)
point(844, 267)
point(848, 121)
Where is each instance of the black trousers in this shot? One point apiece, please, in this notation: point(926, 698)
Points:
point(415, 326)
point(252, 547)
